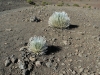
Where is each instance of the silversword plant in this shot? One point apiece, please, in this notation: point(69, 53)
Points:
point(37, 44)
point(59, 20)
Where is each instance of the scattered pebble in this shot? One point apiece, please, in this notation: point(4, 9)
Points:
point(70, 60)
point(64, 72)
point(98, 38)
point(26, 59)
point(7, 62)
point(80, 54)
point(81, 70)
point(8, 29)
point(30, 66)
point(92, 74)
point(61, 74)
point(34, 19)
point(54, 39)
point(23, 48)
point(5, 43)
point(32, 59)
point(39, 12)
point(38, 63)
point(20, 64)
point(86, 70)
point(73, 72)
point(62, 64)
point(48, 64)
point(76, 46)
point(84, 74)
point(65, 42)
point(58, 59)
point(55, 67)
point(33, 73)
point(13, 59)
point(25, 72)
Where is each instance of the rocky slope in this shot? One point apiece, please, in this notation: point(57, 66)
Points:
point(73, 51)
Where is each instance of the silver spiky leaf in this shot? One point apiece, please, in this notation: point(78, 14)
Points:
point(37, 44)
point(59, 20)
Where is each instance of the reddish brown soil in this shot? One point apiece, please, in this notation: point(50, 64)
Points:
point(80, 45)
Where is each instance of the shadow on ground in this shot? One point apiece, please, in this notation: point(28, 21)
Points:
point(72, 27)
point(53, 49)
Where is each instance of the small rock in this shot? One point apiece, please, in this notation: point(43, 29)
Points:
point(45, 59)
point(46, 14)
point(25, 64)
point(98, 38)
point(80, 54)
point(77, 38)
point(55, 66)
point(81, 70)
point(48, 64)
point(23, 48)
point(5, 43)
point(95, 27)
point(23, 20)
point(45, 29)
point(33, 73)
point(64, 72)
point(16, 67)
point(62, 64)
point(92, 74)
point(38, 63)
point(99, 64)
point(23, 55)
point(69, 64)
point(54, 39)
point(34, 19)
point(70, 60)
point(73, 72)
point(25, 72)
point(69, 43)
point(32, 59)
point(39, 12)
point(84, 74)
point(33, 55)
point(13, 59)
point(61, 74)
point(30, 67)
point(65, 42)
point(51, 60)
point(69, 55)
point(52, 57)
point(58, 59)
point(26, 20)
point(98, 72)
point(86, 70)
point(76, 50)
point(7, 62)
point(20, 64)
point(25, 45)
point(70, 37)
point(8, 29)
point(26, 59)
point(76, 46)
